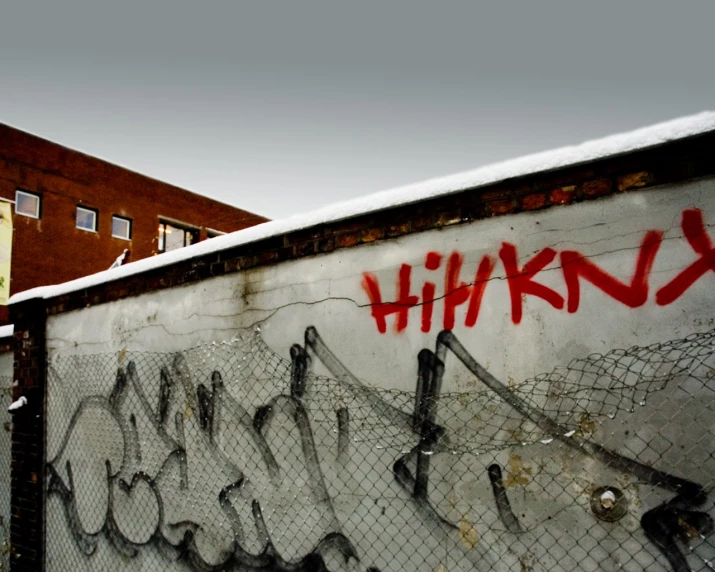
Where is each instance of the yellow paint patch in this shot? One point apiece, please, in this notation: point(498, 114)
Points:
point(633, 180)
point(518, 473)
point(468, 535)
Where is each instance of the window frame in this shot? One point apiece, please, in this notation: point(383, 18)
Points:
point(182, 226)
point(213, 233)
point(129, 227)
point(95, 212)
point(38, 213)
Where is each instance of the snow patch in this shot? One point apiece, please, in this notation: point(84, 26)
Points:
point(17, 404)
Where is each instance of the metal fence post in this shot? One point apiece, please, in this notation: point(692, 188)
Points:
point(27, 524)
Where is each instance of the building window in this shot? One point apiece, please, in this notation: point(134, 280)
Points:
point(173, 235)
point(121, 227)
point(86, 219)
point(27, 204)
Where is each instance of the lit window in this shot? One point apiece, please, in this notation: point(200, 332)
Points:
point(173, 235)
point(27, 204)
point(121, 227)
point(86, 219)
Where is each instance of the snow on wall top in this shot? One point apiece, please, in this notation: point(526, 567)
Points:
point(539, 162)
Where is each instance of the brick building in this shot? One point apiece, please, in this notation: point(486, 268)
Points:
point(74, 214)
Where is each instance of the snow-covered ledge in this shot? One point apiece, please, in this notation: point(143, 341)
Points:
point(611, 146)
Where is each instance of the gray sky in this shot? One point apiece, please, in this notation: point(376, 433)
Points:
point(282, 107)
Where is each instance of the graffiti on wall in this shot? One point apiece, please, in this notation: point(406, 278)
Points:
point(230, 458)
point(522, 280)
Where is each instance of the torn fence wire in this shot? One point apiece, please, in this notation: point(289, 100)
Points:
point(230, 457)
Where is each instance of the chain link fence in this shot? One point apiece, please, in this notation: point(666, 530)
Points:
point(5, 465)
point(230, 457)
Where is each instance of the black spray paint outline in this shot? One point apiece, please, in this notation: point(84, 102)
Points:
point(208, 405)
point(662, 525)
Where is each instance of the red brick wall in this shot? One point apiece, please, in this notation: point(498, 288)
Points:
point(51, 250)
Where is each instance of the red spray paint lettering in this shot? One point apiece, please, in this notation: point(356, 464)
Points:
point(523, 281)
point(694, 230)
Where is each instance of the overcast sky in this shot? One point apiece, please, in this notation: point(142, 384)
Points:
point(283, 107)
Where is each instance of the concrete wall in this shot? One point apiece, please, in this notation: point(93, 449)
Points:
point(543, 402)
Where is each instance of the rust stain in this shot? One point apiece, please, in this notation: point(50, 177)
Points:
point(468, 535)
point(518, 472)
point(526, 563)
point(689, 530)
point(586, 424)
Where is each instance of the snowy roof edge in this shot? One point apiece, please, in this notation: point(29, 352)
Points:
point(610, 146)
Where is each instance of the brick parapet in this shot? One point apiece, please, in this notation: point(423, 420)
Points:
point(27, 523)
point(668, 163)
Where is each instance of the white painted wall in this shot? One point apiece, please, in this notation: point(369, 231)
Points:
point(550, 484)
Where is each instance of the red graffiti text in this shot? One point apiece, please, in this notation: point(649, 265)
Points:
point(463, 297)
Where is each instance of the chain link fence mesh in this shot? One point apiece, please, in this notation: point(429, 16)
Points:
point(5, 465)
point(230, 457)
